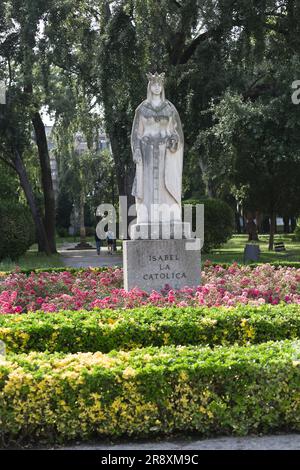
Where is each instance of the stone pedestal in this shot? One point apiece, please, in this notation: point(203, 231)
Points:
point(151, 264)
point(161, 231)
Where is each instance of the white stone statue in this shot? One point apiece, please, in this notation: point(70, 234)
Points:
point(157, 146)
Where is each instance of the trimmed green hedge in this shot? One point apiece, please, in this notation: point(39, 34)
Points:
point(287, 264)
point(280, 264)
point(276, 264)
point(59, 270)
point(237, 390)
point(105, 330)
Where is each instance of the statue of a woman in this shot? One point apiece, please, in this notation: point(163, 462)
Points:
point(157, 147)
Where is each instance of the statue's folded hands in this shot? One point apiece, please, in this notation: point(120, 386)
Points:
point(172, 144)
point(137, 156)
point(146, 139)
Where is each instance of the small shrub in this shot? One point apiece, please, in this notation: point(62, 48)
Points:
point(228, 390)
point(105, 330)
point(297, 233)
point(218, 222)
point(17, 231)
point(62, 232)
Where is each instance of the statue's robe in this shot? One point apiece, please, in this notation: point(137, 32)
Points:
point(158, 176)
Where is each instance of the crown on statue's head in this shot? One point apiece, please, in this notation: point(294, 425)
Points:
point(156, 77)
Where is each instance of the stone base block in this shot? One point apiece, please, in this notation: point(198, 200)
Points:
point(160, 231)
point(151, 264)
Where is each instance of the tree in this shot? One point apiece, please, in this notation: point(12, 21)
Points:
point(86, 172)
point(114, 44)
point(21, 52)
point(105, 48)
point(14, 140)
point(261, 148)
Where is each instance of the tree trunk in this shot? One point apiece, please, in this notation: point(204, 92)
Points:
point(124, 175)
point(272, 231)
point(293, 224)
point(286, 224)
point(207, 180)
point(238, 222)
point(112, 184)
point(81, 218)
point(258, 217)
point(40, 229)
point(47, 184)
point(209, 188)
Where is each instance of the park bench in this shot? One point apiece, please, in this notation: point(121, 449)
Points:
point(279, 246)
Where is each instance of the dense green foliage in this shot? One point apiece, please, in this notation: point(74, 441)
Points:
point(297, 233)
point(106, 330)
point(16, 225)
point(23, 69)
point(228, 390)
point(229, 67)
point(218, 222)
point(16, 230)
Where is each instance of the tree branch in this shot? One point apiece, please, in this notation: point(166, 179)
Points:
point(254, 83)
point(191, 48)
point(189, 51)
point(10, 164)
point(177, 4)
point(9, 72)
point(107, 10)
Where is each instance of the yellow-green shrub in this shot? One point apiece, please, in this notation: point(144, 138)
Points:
point(104, 330)
point(228, 390)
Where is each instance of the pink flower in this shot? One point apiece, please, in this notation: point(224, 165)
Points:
point(90, 289)
point(18, 309)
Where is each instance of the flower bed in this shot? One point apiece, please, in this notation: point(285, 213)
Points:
point(89, 289)
point(106, 330)
point(236, 390)
point(163, 388)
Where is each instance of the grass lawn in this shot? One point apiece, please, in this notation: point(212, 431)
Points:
point(233, 250)
point(32, 260)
